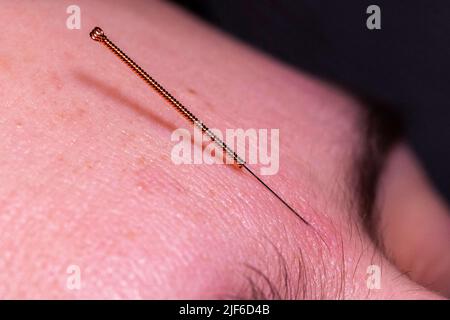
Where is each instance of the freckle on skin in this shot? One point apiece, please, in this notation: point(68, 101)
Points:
point(81, 112)
point(72, 115)
point(210, 106)
point(164, 157)
point(207, 104)
point(130, 235)
point(141, 161)
point(211, 193)
point(191, 91)
point(61, 115)
point(68, 55)
point(89, 164)
point(5, 65)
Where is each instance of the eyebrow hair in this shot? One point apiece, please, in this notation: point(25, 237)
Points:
point(283, 283)
point(381, 129)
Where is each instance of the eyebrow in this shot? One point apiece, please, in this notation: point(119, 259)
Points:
point(381, 129)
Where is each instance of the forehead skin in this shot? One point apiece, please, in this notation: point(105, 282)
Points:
point(86, 177)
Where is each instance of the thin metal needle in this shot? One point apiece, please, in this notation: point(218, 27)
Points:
point(275, 194)
point(98, 35)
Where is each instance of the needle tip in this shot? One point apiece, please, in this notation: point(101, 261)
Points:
point(97, 34)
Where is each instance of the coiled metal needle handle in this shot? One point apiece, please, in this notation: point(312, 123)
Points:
point(97, 34)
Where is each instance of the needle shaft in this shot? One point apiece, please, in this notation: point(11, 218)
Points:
point(97, 34)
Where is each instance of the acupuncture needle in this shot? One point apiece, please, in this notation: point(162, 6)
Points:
point(97, 34)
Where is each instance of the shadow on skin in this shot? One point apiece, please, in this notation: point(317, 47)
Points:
point(111, 92)
point(124, 100)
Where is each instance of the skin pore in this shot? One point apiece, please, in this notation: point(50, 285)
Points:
point(86, 177)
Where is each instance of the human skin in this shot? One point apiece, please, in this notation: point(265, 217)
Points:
point(86, 177)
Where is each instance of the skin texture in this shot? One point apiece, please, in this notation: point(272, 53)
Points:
point(86, 177)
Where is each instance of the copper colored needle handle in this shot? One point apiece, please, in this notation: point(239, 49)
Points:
point(98, 35)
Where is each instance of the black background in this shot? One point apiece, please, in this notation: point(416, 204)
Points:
point(405, 65)
point(170, 309)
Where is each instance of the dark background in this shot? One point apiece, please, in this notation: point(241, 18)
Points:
point(405, 65)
